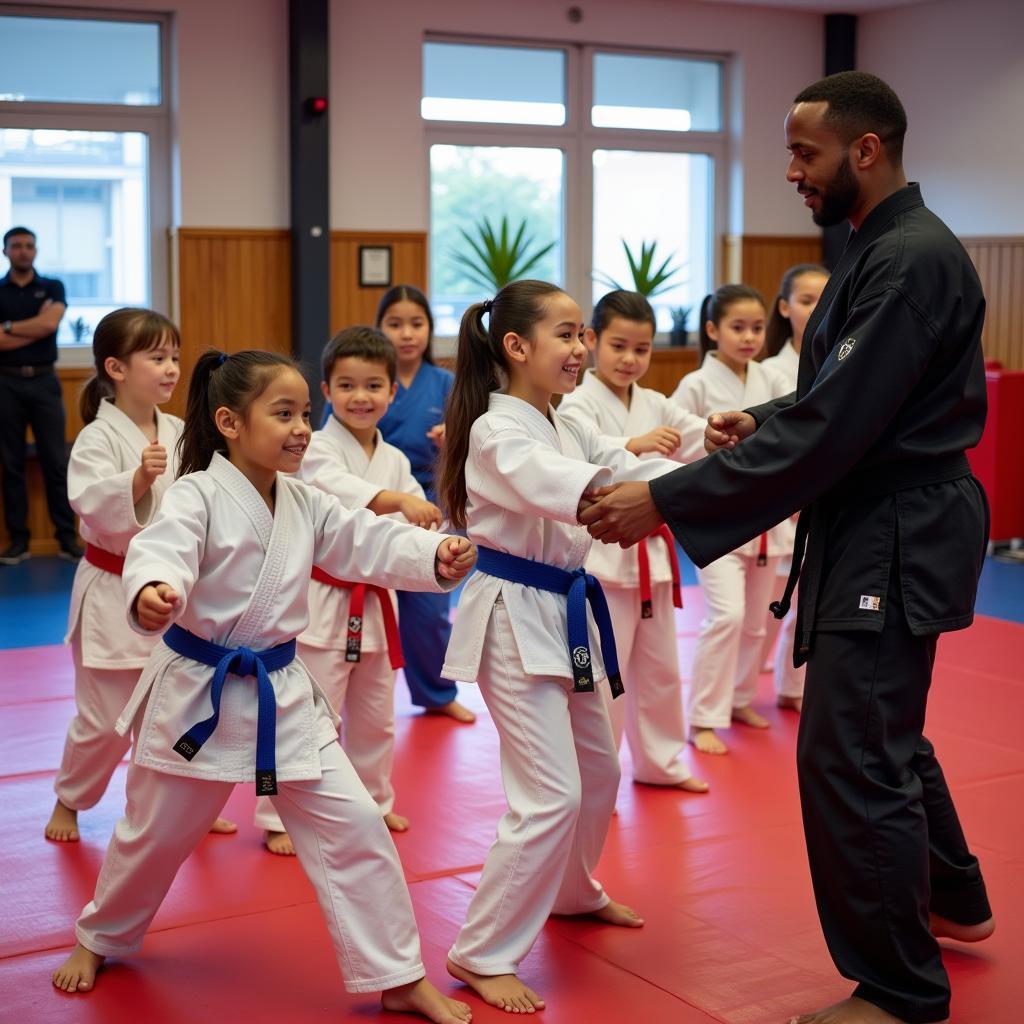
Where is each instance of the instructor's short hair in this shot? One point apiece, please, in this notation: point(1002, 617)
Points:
point(859, 102)
point(8, 235)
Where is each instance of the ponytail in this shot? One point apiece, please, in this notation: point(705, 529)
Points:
point(218, 379)
point(480, 368)
point(715, 307)
point(778, 330)
point(95, 390)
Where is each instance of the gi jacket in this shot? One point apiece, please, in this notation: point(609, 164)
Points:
point(891, 391)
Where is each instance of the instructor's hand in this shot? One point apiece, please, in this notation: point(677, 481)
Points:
point(726, 429)
point(622, 514)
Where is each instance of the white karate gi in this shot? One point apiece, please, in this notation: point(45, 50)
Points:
point(737, 591)
point(525, 475)
point(789, 681)
point(242, 574)
point(651, 710)
point(362, 692)
point(107, 655)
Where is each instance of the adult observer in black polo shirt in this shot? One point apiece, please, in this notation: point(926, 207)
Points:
point(31, 308)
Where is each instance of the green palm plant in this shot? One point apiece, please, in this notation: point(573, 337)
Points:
point(646, 280)
point(499, 256)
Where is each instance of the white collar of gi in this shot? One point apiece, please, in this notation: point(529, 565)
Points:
point(534, 419)
point(345, 440)
point(238, 485)
point(126, 427)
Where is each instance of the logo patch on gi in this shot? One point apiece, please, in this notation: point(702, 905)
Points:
point(845, 348)
point(355, 624)
point(581, 656)
point(869, 603)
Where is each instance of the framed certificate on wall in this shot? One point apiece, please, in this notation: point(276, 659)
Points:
point(375, 266)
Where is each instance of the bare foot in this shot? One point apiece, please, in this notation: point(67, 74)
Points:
point(279, 843)
point(943, 928)
point(790, 704)
point(63, 825)
point(707, 741)
point(693, 785)
point(396, 822)
point(423, 998)
point(748, 716)
point(849, 1011)
point(504, 991)
point(223, 827)
point(78, 972)
point(618, 914)
point(453, 709)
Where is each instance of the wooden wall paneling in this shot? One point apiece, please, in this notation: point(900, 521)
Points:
point(351, 304)
point(765, 258)
point(1000, 265)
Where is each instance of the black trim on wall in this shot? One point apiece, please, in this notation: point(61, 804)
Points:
point(840, 55)
point(308, 46)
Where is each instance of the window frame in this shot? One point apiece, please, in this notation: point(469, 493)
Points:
point(578, 138)
point(154, 121)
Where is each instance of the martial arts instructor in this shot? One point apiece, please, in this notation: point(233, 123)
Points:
point(891, 392)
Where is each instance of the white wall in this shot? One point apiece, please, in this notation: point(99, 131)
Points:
point(231, 120)
point(959, 70)
point(378, 159)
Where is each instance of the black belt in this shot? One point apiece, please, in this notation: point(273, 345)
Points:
point(27, 372)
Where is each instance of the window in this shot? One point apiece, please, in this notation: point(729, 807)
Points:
point(85, 159)
point(590, 148)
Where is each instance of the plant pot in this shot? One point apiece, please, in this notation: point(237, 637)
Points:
point(678, 337)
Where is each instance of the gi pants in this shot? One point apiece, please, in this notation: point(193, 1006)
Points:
point(651, 710)
point(37, 402)
point(93, 749)
point(363, 693)
point(727, 662)
point(883, 838)
point(789, 681)
point(560, 772)
point(342, 843)
point(425, 629)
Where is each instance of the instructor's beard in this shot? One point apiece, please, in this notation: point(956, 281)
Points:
point(838, 197)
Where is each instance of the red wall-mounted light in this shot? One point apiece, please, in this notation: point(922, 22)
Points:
point(316, 105)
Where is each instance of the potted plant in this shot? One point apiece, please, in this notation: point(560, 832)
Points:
point(499, 256)
point(679, 335)
point(647, 280)
point(80, 329)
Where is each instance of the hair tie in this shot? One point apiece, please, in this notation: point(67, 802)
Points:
point(222, 359)
point(487, 306)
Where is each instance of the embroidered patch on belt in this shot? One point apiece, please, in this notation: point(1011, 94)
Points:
point(845, 348)
point(869, 603)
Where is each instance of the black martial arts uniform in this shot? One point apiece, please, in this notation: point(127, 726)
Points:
point(891, 392)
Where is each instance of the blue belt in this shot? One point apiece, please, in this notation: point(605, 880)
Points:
point(240, 661)
point(580, 587)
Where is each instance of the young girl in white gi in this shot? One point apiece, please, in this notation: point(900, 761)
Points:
point(515, 474)
point(351, 645)
point(415, 426)
point(799, 292)
point(121, 463)
point(737, 588)
point(641, 583)
point(224, 569)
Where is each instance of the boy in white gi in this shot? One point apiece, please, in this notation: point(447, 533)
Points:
point(351, 645)
point(121, 463)
point(642, 583)
point(738, 587)
point(224, 569)
point(515, 475)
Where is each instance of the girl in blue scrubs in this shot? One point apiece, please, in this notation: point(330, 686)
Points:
point(415, 425)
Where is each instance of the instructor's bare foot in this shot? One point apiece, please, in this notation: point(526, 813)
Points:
point(849, 1011)
point(453, 709)
point(223, 827)
point(693, 785)
point(279, 843)
point(943, 928)
point(790, 703)
point(396, 822)
point(63, 824)
point(618, 914)
point(423, 998)
point(78, 972)
point(707, 741)
point(505, 991)
point(748, 716)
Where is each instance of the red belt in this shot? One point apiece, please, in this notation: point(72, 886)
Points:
point(354, 640)
point(645, 571)
point(762, 551)
point(105, 560)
